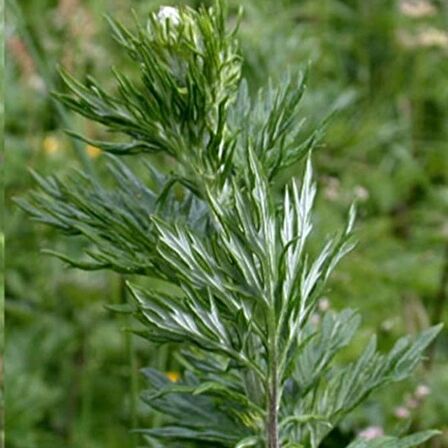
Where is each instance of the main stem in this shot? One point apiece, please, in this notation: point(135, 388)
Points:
point(273, 385)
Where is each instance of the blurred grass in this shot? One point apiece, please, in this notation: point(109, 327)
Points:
point(378, 66)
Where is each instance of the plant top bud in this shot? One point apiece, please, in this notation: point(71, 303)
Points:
point(169, 13)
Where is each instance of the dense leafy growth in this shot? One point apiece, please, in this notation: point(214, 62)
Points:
point(259, 371)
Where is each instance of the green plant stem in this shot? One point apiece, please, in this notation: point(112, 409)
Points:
point(132, 364)
point(273, 384)
point(85, 391)
point(44, 72)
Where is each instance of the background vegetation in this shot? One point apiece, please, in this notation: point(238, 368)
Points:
point(378, 66)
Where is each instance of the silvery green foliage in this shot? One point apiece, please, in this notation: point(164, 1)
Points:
point(258, 372)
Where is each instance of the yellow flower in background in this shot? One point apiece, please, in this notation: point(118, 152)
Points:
point(93, 151)
point(51, 144)
point(174, 377)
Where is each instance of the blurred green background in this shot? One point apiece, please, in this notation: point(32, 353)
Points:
point(378, 66)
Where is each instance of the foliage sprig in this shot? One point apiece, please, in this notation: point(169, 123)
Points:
point(258, 371)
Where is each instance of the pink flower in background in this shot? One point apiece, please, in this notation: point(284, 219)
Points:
point(422, 391)
point(402, 412)
point(371, 432)
point(315, 319)
point(417, 8)
point(324, 304)
point(412, 403)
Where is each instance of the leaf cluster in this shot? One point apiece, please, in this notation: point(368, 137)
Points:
point(259, 372)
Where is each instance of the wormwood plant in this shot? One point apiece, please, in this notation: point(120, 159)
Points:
point(258, 371)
